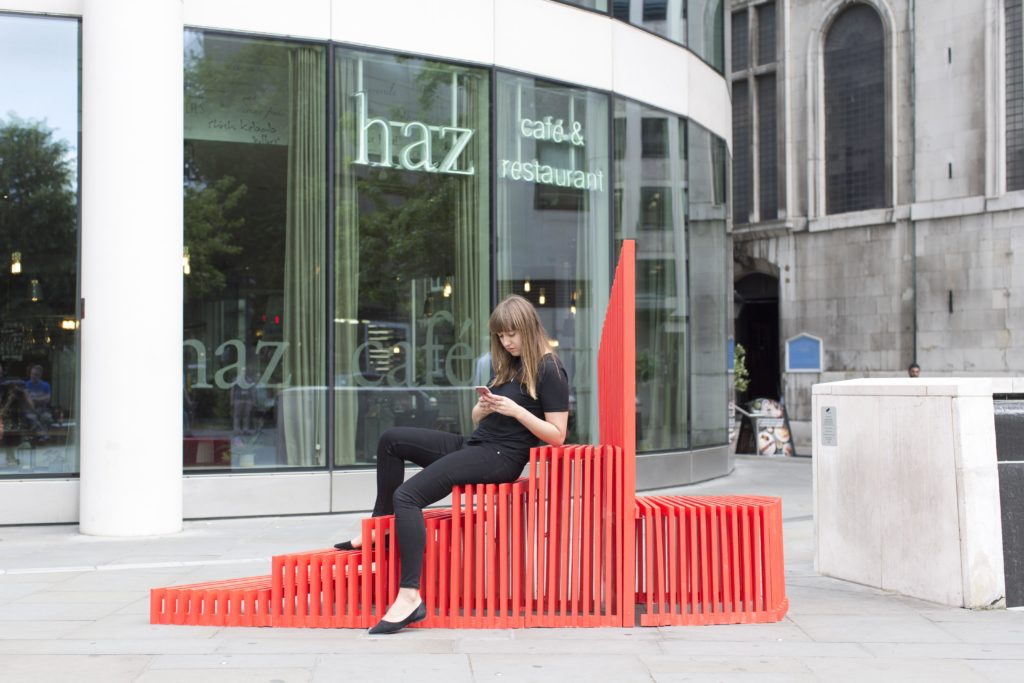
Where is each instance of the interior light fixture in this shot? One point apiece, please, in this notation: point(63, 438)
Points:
point(542, 299)
point(15, 262)
point(186, 265)
point(35, 291)
point(572, 309)
point(447, 291)
point(526, 285)
point(69, 324)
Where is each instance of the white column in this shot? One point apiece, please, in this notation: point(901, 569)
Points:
point(131, 267)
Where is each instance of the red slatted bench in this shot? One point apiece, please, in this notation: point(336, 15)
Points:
point(568, 545)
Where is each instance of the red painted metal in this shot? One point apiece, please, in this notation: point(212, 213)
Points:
point(569, 544)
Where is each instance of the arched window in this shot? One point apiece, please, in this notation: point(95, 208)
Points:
point(855, 111)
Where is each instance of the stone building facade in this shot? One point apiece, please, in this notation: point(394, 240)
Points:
point(878, 188)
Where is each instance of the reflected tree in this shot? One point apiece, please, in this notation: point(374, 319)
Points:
point(209, 227)
point(38, 218)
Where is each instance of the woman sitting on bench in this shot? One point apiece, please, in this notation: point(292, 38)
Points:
point(526, 403)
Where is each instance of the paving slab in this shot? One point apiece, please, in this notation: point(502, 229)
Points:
point(76, 608)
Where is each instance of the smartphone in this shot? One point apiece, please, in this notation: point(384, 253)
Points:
point(483, 391)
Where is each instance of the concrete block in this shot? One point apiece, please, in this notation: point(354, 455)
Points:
point(906, 488)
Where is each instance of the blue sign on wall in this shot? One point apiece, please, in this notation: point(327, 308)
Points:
point(804, 353)
point(732, 354)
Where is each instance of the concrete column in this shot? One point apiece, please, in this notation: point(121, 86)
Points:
point(131, 267)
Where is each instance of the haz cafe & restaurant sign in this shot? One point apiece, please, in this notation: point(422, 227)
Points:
point(430, 148)
point(569, 136)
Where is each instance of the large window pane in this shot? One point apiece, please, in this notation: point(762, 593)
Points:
point(411, 247)
point(708, 286)
point(255, 219)
point(651, 181)
point(552, 221)
point(39, 245)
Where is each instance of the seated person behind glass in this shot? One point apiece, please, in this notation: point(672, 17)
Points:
point(14, 404)
point(39, 394)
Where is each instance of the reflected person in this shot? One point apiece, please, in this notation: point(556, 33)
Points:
point(528, 403)
point(39, 414)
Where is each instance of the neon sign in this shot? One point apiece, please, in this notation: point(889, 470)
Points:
point(413, 145)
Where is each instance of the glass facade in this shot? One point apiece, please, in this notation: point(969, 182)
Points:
point(650, 206)
point(599, 5)
point(707, 159)
point(254, 269)
point(696, 24)
point(350, 219)
point(670, 177)
point(552, 241)
point(39, 188)
point(411, 253)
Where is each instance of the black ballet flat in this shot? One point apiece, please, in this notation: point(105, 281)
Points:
point(385, 627)
point(347, 545)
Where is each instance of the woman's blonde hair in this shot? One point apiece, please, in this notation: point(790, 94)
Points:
point(516, 314)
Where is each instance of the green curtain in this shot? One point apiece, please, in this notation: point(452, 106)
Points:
point(346, 263)
point(301, 403)
point(471, 290)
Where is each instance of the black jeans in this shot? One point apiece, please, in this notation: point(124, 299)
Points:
point(447, 461)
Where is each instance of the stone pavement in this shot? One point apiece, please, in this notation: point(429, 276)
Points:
point(76, 608)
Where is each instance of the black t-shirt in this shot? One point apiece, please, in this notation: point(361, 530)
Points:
point(508, 432)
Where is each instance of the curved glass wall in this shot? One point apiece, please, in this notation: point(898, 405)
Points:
point(294, 330)
point(411, 247)
point(552, 221)
point(599, 5)
point(697, 24)
point(254, 270)
point(650, 207)
point(343, 251)
point(39, 109)
point(706, 160)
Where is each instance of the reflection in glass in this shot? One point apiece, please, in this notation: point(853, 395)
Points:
point(552, 221)
point(651, 180)
point(254, 187)
point(38, 245)
point(705, 31)
point(706, 157)
point(694, 23)
point(411, 291)
point(599, 5)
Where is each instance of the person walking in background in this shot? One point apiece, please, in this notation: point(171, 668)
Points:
point(526, 403)
point(914, 370)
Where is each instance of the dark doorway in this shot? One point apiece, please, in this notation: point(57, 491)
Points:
point(757, 329)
